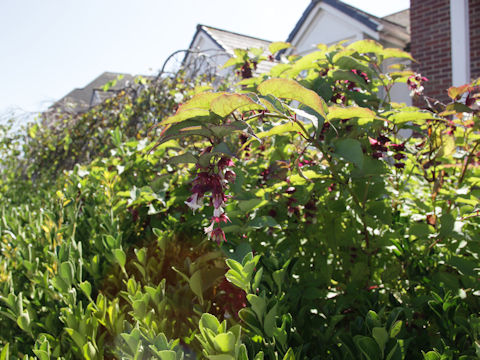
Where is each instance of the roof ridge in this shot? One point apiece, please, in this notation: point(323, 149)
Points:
point(233, 32)
point(396, 12)
point(369, 20)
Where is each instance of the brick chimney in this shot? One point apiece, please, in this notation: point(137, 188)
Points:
point(431, 44)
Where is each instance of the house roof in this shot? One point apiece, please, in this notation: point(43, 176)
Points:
point(397, 23)
point(82, 99)
point(401, 18)
point(229, 40)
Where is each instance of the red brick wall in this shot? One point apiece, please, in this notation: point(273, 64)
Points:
point(474, 15)
point(430, 44)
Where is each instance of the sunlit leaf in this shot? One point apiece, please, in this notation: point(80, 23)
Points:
point(280, 130)
point(396, 53)
point(185, 115)
point(277, 46)
point(225, 104)
point(200, 101)
point(290, 89)
point(366, 46)
point(405, 116)
point(337, 112)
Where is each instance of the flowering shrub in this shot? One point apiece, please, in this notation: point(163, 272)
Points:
point(301, 215)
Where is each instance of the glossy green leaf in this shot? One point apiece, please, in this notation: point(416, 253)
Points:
point(269, 324)
point(340, 74)
point(221, 357)
point(4, 355)
point(78, 338)
point(432, 355)
point(259, 305)
point(209, 321)
point(167, 354)
point(242, 353)
point(396, 352)
point(183, 159)
point(259, 356)
point(262, 222)
point(23, 321)
point(120, 256)
point(350, 150)
point(196, 285)
point(289, 355)
point(368, 347)
point(250, 204)
point(225, 342)
point(380, 335)
point(350, 63)
point(447, 222)
point(66, 272)
point(223, 148)
point(89, 351)
point(396, 328)
point(86, 287)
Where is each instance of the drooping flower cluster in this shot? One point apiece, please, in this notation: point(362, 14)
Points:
point(415, 84)
point(212, 182)
point(382, 144)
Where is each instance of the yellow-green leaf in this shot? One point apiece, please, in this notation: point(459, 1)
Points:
point(366, 46)
point(337, 112)
point(186, 114)
point(4, 355)
point(280, 130)
point(225, 342)
point(225, 104)
point(199, 101)
point(196, 285)
point(290, 89)
point(405, 116)
point(278, 45)
point(232, 61)
point(396, 53)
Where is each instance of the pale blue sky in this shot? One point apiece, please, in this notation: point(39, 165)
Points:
point(49, 47)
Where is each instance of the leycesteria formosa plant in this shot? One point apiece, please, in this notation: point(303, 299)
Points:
point(213, 179)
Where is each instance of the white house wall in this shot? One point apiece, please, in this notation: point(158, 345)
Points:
point(327, 25)
point(325, 28)
point(209, 55)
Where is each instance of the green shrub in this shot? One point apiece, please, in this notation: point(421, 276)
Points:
point(347, 225)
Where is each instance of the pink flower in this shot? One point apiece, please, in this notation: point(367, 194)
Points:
point(213, 179)
point(218, 235)
point(208, 230)
point(194, 202)
point(222, 218)
point(230, 176)
point(225, 162)
point(415, 84)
